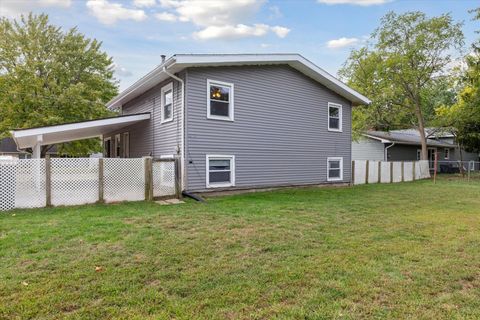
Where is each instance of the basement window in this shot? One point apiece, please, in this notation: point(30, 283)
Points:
point(220, 171)
point(335, 169)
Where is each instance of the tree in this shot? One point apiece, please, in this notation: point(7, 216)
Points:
point(48, 76)
point(464, 115)
point(401, 68)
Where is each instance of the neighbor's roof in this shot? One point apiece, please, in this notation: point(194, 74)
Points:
point(429, 132)
point(178, 62)
point(406, 137)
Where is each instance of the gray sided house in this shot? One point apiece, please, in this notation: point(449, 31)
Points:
point(233, 121)
point(240, 121)
point(405, 145)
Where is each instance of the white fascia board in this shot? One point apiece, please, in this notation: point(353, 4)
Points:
point(377, 138)
point(80, 125)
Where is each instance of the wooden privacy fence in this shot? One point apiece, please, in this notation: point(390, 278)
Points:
point(33, 183)
point(367, 171)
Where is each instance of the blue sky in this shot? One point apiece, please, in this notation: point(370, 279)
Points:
point(136, 32)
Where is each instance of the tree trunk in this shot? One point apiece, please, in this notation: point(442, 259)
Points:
point(421, 131)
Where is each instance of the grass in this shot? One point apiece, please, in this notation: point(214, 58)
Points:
point(408, 250)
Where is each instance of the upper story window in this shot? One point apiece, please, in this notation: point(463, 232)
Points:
point(334, 117)
point(334, 169)
point(167, 103)
point(220, 100)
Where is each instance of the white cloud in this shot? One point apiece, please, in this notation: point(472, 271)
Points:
point(231, 32)
point(144, 3)
point(220, 19)
point(109, 13)
point(122, 71)
point(166, 16)
point(14, 8)
point(275, 12)
point(355, 2)
point(342, 43)
point(281, 32)
point(265, 45)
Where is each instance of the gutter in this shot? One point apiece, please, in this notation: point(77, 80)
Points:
point(182, 150)
point(386, 151)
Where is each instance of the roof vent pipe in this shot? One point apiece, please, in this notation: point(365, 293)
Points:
point(163, 58)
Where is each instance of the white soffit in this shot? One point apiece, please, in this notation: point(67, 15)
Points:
point(181, 61)
point(27, 138)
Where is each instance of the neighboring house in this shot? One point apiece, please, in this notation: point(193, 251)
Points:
point(405, 145)
point(235, 121)
point(8, 149)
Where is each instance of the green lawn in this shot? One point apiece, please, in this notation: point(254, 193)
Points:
point(409, 250)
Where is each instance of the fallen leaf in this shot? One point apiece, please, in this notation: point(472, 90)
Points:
point(98, 269)
point(25, 283)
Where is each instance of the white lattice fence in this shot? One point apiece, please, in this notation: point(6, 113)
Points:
point(124, 179)
point(30, 191)
point(74, 181)
point(389, 171)
point(8, 174)
point(163, 178)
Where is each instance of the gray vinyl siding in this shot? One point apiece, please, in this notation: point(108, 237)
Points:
point(279, 135)
point(151, 137)
point(368, 149)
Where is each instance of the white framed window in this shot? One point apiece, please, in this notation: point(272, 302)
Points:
point(167, 103)
point(220, 171)
point(107, 147)
point(117, 145)
point(219, 100)
point(334, 169)
point(419, 154)
point(334, 117)
point(447, 154)
point(126, 145)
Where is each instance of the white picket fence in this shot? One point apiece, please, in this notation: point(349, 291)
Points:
point(366, 171)
point(34, 183)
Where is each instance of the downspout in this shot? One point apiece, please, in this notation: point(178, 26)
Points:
point(386, 151)
point(182, 150)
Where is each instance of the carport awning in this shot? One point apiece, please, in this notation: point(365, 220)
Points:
point(34, 137)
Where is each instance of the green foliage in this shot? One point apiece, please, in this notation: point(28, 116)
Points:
point(402, 70)
point(50, 76)
point(464, 116)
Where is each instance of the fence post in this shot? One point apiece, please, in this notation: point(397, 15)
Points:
point(148, 179)
point(414, 164)
point(353, 173)
point(100, 181)
point(379, 171)
point(403, 171)
point(391, 172)
point(178, 175)
point(48, 181)
point(367, 169)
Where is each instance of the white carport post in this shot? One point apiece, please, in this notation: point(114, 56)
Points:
point(37, 148)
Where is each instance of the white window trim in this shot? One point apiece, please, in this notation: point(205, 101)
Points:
point(340, 115)
point(162, 103)
point(109, 151)
point(419, 154)
point(341, 168)
point(115, 145)
point(232, 171)
point(230, 104)
point(167, 156)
